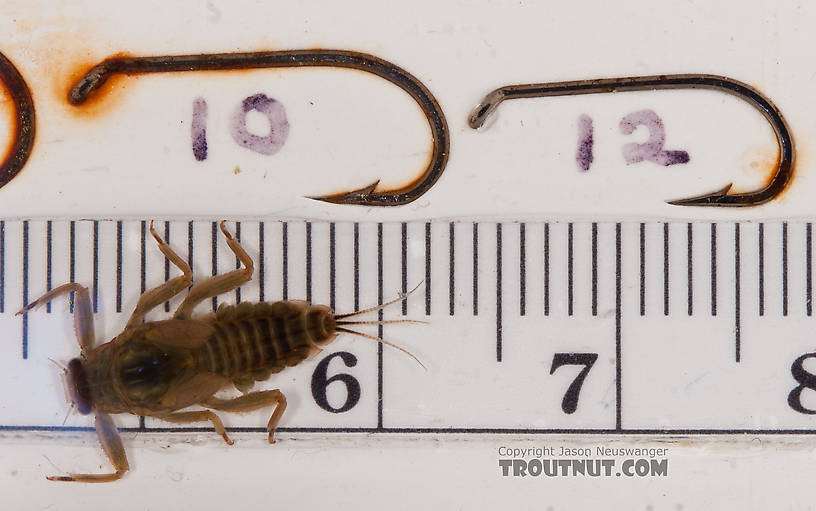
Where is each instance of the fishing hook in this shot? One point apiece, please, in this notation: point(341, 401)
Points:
point(367, 196)
point(24, 120)
point(784, 167)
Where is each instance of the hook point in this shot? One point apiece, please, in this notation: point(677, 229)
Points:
point(360, 196)
point(716, 198)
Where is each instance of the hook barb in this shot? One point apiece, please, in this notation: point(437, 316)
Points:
point(93, 80)
point(778, 180)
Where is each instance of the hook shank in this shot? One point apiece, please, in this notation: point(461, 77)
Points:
point(440, 140)
point(776, 184)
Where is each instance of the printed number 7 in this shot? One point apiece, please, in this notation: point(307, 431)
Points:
point(570, 402)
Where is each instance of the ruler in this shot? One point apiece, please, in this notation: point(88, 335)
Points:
point(534, 327)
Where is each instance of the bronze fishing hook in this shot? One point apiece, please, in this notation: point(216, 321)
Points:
point(784, 168)
point(367, 196)
point(24, 120)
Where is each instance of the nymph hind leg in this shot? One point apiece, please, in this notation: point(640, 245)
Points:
point(160, 294)
point(250, 402)
point(199, 416)
point(218, 284)
point(115, 451)
point(83, 319)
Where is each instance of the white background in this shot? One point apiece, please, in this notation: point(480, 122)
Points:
point(129, 157)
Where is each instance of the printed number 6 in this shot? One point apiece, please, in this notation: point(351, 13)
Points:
point(320, 383)
point(570, 402)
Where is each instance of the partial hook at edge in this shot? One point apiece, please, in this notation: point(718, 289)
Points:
point(784, 168)
point(23, 123)
point(367, 196)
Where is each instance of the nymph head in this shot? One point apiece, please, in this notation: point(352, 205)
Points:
point(77, 385)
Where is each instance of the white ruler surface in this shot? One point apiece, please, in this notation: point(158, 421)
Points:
point(685, 328)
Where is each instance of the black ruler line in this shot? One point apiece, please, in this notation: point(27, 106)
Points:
point(642, 269)
point(809, 269)
point(784, 268)
point(380, 325)
point(498, 292)
point(404, 265)
point(2, 266)
point(95, 266)
point(142, 259)
point(690, 267)
point(427, 268)
point(167, 262)
point(49, 252)
point(262, 261)
point(332, 267)
point(522, 268)
point(737, 327)
point(118, 263)
point(569, 270)
point(25, 288)
point(594, 268)
point(237, 261)
point(451, 262)
point(285, 260)
point(430, 431)
point(72, 261)
point(547, 269)
point(761, 269)
point(190, 246)
point(309, 262)
point(214, 257)
point(142, 286)
point(713, 269)
point(665, 268)
point(618, 312)
point(356, 266)
point(475, 269)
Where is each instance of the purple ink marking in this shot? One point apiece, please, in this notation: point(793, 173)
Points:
point(278, 125)
point(198, 129)
point(585, 141)
point(651, 150)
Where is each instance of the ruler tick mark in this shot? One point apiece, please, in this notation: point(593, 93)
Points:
point(25, 288)
point(72, 263)
point(784, 268)
point(665, 268)
point(285, 259)
point(404, 265)
point(48, 262)
point(618, 313)
point(451, 259)
point(547, 269)
point(642, 269)
point(569, 270)
point(713, 269)
point(118, 264)
point(737, 330)
point(262, 261)
point(332, 267)
point(522, 268)
point(809, 269)
point(475, 269)
point(427, 268)
point(380, 325)
point(356, 266)
point(309, 262)
point(498, 292)
point(761, 269)
point(690, 267)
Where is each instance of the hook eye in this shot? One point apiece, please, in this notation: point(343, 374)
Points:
point(784, 167)
point(23, 121)
point(368, 195)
